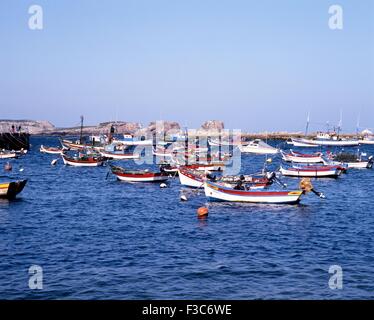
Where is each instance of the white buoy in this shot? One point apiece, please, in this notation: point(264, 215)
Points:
point(54, 161)
point(183, 197)
point(21, 169)
point(163, 185)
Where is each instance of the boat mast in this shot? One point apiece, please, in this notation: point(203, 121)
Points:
point(307, 125)
point(81, 132)
point(340, 122)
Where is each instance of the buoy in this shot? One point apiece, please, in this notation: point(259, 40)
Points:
point(202, 212)
point(163, 185)
point(8, 167)
point(54, 161)
point(21, 169)
point(183, 197)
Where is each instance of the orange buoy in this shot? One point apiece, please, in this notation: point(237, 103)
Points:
point(202, 212)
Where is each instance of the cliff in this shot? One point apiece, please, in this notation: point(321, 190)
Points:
point(29, 126)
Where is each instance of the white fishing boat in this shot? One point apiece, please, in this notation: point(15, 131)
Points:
point(130, 140)
point(302, 143)
point(118, 151)
point(138, 175)
point(257, 146)
point(218, 191)
point(359, 161)
point(316, 171)
point(298, 157)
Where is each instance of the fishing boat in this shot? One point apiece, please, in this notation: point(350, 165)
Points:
point(195, 179)
point(367, 140)
point(214, 166)
point(51, 150)
point(5, 154)
point(350, 160)
point(298, 157)
point(130, 140)
point(86, 160)
point(118, 151)
point(221, 192)
point(9, 190)
point(257, 146)
point(138, 175)
point(300, 142)
point(333, 142)
point(316, 171)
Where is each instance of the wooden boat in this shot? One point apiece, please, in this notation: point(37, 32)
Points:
point(302, 142)
point(317, 171)
point(195, 179)
point(257, 146)
point(351, 161)
point(130, 140)
point(5, 154)
point(215, 166)
point(9, 190)
point(298, 157)
point(51, 150)
point(217, 191)
point(119, 155)
point(138, 175)
point(83, 160)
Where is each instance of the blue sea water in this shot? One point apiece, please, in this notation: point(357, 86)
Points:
point(98, 238)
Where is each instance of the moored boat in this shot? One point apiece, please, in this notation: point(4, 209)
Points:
point(5, 154)
point(257, 146)
point(138, 175)
point(51, 150)
point(83, 160)
point(316, 171)
point(350, 160)
point(218, 191)
point(298, 157)
point(9, 190)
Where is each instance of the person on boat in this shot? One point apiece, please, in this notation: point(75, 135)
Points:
point(240, 184)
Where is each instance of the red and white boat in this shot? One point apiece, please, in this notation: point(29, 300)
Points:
point(138, 175)
point(195, 179)
point(83, 160)
point(298, 157)
point(51, 150)
point(316, 171)
point(217, 191)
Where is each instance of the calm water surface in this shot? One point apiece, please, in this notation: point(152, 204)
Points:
point(98, 238)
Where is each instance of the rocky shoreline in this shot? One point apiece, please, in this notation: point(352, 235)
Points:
point(209, 128)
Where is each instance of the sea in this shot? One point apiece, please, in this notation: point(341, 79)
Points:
point(78, 233)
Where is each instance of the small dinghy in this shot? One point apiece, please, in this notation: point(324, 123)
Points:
point(298, 157)
point(138, 175)
point(316, 171)
point(220, 192)
point(89, 160)
point(51, 150)
point(9, 190)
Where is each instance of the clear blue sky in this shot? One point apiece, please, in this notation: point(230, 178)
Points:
point(256, 65)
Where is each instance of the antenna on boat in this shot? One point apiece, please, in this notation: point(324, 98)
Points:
point(340, 122)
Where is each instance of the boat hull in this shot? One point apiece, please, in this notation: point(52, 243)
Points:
point(189, 180)
point(8, 155)
point(256, 150)
point(119, 156)
point(216, 192)
point(80, 163)
point(151, 177)
point(9, 190)
point(313, 173)
point(49, 151)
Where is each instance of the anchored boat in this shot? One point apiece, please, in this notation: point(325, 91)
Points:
point(5, 154)
point(257, 146)
point(217, 191)
point(9, 190)
point(298, 157)
point(316, 171)
point(83, 160)
point(51, 150)
point(138, 175)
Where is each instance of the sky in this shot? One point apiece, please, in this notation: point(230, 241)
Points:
point(256, 65)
